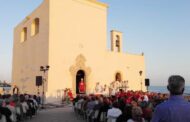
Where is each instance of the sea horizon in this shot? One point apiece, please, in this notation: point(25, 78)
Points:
point(163, 89)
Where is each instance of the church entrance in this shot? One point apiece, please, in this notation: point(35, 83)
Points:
point(80, 82)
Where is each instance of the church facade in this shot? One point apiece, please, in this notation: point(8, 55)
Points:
point(70, 36)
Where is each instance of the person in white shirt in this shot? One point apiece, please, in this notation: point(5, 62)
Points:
point(105, 90)
point(24, 104)
point(125, 85)
point(114, 113)
point(145, 98)
point(113, 89)
point(98, 88)
point(25, 107)
point(117, 85)
point(35, 102)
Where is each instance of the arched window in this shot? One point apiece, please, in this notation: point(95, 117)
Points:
point(117, 43)
point(118, 77)
point(35, 26)
point(23, 35)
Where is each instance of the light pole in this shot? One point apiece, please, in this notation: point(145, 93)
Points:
point(140, 73)
point(43, 69)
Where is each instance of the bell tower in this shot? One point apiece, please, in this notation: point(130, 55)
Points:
point(116, 41)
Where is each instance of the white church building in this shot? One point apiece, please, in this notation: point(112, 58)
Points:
point(70, 36)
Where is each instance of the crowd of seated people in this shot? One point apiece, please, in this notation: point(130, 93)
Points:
point(131, 106)
point(15, 108)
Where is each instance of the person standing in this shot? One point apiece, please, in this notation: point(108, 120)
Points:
point(98, 88)
point(70, 94)
point(15, 90)
point(113, 89)
point(82, 86)
point(105, 90)
point(176, 108)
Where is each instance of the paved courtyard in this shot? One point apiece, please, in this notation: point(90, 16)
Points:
point(64, 114)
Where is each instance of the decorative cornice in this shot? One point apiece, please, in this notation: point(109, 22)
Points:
point(80, 65)
point(98, 3)
point(116, 31)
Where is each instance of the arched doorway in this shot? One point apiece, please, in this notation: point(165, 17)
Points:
point(118, 77)
point(80, 75)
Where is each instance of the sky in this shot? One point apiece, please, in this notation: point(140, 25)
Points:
point(159, 28)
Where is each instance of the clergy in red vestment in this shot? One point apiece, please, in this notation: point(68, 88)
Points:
point(82, 86)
